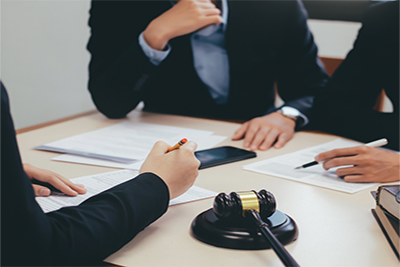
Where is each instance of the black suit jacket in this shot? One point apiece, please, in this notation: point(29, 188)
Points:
point(266, 41)
point(80, 235)
point(345, 106)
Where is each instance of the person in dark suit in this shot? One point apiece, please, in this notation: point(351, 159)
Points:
point(346, 105)
point(217, 59)
point(88, 233)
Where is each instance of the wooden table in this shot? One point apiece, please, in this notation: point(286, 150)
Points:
point(335, 229)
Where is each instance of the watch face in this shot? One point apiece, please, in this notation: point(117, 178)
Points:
point(289, 111)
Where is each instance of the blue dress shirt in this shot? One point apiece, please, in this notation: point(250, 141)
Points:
point(209, 56)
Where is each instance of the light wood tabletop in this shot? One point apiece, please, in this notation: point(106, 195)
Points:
point(335, 228)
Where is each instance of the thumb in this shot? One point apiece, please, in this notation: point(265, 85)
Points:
point(192, 146)
point(282, 139)
point(41, 191)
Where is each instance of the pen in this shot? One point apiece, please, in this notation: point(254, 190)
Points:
point(377, 143)
point(178, 145)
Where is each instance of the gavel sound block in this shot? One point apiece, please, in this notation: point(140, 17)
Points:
point(225, 225)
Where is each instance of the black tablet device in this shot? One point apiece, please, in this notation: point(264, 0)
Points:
point(222, 155)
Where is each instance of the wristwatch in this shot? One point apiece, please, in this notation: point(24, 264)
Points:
point(292, 114)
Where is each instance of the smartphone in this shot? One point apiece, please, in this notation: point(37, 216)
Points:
point(222, 155)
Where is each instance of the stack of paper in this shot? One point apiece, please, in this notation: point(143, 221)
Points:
point(284, 166)
point(126, 144)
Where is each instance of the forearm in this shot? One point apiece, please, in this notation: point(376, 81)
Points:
point(346, 104)
point(118, 70)
point(83, 235)
point(76, 235)
point(104, 223)
point(117, 81)
point(362, 125)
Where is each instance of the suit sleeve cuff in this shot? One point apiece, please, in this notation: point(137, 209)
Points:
point(155, 56)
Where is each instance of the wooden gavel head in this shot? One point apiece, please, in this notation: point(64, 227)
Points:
point(236, 204)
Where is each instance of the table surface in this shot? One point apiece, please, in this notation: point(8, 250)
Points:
point(335, 228)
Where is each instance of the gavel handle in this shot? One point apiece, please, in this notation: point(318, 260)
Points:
point(276, 245)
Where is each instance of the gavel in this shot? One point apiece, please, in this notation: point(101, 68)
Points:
point(253, 205)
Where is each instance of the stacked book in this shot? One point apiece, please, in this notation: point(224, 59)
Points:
point(387, 214)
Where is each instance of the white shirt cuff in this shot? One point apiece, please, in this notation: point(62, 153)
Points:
point(305, 119)
point(155, 56)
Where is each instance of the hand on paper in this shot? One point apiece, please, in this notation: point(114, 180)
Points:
point(369, 164)
point(56, 180)
point(178, 168)
point(262, 132)
point(185, 17)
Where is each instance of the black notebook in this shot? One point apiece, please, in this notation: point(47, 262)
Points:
point(390, 228)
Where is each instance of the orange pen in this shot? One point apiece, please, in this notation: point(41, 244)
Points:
point(178, 145)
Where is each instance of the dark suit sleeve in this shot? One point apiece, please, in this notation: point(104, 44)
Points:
point(118, 70)
point(80, 235)
point(346, 106)
point(300, 74)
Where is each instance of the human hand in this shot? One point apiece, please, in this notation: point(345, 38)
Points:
point(261, 132)
point(184, 17)
point(370, 165)
point(178, 168)
point(56, 180)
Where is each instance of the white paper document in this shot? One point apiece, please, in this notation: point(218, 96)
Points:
point(98, 183)
point(202, 142)
point(283, 166)
point(124, 142)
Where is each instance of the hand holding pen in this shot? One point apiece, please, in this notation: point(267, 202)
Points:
point(178, 145)
point(366, 163)
point(178, 169)
point(377, 143)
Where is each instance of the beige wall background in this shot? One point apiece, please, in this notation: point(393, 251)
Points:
point(44, 60)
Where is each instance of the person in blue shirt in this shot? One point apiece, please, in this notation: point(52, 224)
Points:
point(216, 59)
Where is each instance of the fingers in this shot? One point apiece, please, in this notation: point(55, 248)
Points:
point(269, 137)
point(209, 13)
point(187, 152)
point(70, 190)
point(259, 137)
point(240, 132)
point(191, 146)
point(252, 130)
point(342, 172)
point(341, 161)
point(214, 19)
point(262, 132)
point(355, 179)
point(159, 148)
point(282, 140)
point(262, 139)
point(341, 152)
point(209, 7)
point(178, 168)
point(57, 181)
point(66, 186)
point(41, 191)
